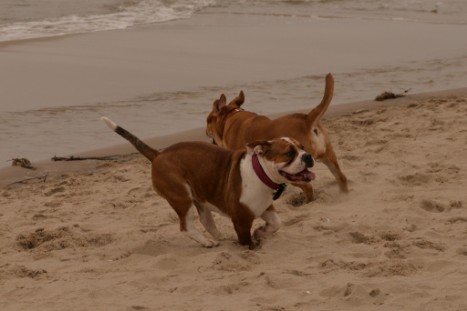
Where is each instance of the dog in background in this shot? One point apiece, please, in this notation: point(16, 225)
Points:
point(231, 127)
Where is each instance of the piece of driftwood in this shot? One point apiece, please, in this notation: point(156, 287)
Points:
point(73, 158)
point(42, 178)
point(23, 162)
point(390, 95)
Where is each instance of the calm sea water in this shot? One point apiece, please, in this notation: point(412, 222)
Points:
point(71, 129)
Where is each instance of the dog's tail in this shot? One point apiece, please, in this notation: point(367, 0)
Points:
point(145, 150)
point(317, 112)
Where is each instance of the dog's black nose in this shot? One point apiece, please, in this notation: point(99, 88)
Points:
point(308, 159)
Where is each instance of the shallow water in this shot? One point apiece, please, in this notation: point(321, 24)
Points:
point(72, 129)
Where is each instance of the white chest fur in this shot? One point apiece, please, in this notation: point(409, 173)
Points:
point(255, 194)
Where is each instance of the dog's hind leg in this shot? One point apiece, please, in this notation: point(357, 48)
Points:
point(180, 198)
point(330, 160)
point(206, 219)
point(193, 233)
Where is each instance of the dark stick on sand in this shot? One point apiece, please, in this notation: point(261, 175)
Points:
point(23, 162)
point(42, 178)
point(390, 95)
point(73, 158)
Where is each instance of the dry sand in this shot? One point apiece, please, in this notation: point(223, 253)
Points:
point(101, 239)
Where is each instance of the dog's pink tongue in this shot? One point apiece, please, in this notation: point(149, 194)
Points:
point(309, 175)
point(304, 175)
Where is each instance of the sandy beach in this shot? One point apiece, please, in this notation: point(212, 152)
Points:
point(101, 239)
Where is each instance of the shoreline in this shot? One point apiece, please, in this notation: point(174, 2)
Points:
point(153, 68)
point(9, 175)
point(162, 78)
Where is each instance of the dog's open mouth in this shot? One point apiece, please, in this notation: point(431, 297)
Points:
point(303, 176)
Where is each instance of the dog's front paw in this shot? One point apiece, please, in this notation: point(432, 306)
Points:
point(259, 233)
point(211, 243)
point(255, 243)
point(264, 232)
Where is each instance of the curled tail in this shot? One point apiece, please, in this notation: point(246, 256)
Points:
point(144, 149)
point(315, 115)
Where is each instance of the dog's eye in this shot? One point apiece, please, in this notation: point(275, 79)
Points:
point(291, 153)
point(315, 131)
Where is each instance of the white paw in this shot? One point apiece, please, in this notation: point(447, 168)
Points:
point(211, 243)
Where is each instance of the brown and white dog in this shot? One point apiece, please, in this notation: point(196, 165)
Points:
point(232, 127)
point(238, 184)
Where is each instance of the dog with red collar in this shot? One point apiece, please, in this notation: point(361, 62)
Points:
point(230, 126)
point(241, 184)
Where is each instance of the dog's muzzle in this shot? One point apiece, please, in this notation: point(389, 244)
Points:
point(308, 159)
point(213, 141)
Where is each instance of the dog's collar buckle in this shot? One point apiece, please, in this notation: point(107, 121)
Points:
point(265, 178)
point(278, 193)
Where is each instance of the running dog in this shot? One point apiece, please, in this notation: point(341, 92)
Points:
point(231, 127)
point(239, 184)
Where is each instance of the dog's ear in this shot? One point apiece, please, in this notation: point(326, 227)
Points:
point(239, 100)
point(316, 114)
point(219, 103)
point(259, 147)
